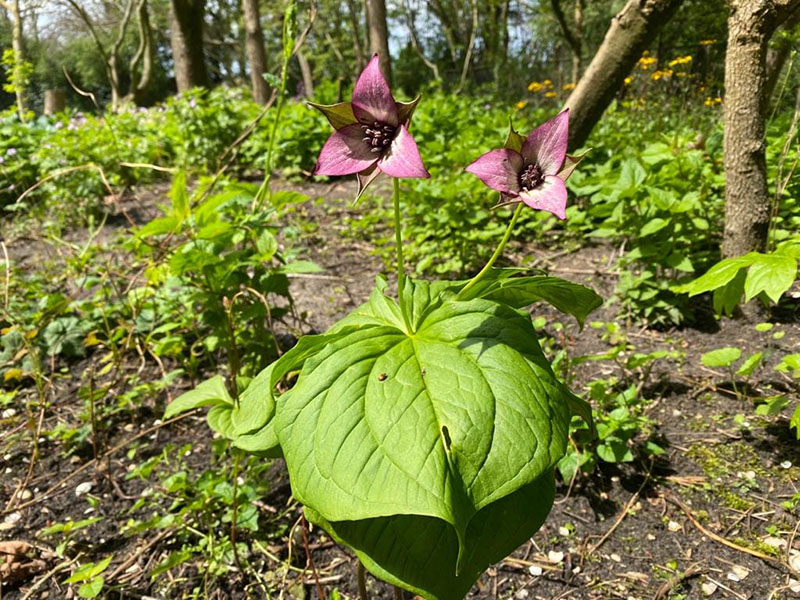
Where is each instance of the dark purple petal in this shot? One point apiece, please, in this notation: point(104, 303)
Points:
point(372, 98)
point(499, 169)
point(546, 146)
point(403, 159)
point(338, 115)
point(345, 153)
point(406, 109)
point(551, 196)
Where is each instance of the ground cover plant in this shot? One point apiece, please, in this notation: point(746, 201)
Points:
point(289, 337)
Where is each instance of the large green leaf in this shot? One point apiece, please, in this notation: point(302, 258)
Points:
point(772, 274)
point(207, 393)
point(419, 553)
point(439, 423)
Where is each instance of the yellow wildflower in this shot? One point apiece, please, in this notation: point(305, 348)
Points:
point(535, 86)
point(548, 83)
point(628, 80)
point(709, 101)
point(550, 95)
point(681, 60)
point(646, 62)
point(521, 104)
point(707, 42)
point(568, 86)
point(661, 74)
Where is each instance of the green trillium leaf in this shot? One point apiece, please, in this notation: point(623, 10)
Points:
point(437, 424)
point(419, 553)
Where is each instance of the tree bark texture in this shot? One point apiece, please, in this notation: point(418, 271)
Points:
point(186, 38)
point(631, 31)
point(751, 23)
point(256, 56)
point(305, 71)
point(18, 46)
point(573, 38)
point(378, 35)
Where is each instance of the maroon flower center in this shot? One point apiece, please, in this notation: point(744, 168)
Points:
point(530, 178)
point(378, 135)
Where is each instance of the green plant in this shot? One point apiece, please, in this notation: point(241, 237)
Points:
point(765, 276)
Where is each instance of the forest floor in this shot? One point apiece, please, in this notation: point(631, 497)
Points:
point(713, 516)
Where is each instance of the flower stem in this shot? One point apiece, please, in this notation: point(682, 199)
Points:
point(473, 282)
point(398, 240)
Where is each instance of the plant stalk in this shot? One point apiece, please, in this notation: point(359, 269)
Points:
point(398, 239)
point(474, 281)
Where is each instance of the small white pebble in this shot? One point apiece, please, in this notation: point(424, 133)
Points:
point(674, 526)
point(740, 572)
point(521, 594)
point(8, 413)
point(157, 422)
point(774, 542)
point(128, 427)
point(709, 587)
point(616, 557)
point(13, 518)
point(535, 570)
point(8, 457)
point(83, 488)
point(563, 531)
point(555, 556)
point(787, 464)
point(651, 537)
point(733, 576)
point(794, 585)
point(577, 569)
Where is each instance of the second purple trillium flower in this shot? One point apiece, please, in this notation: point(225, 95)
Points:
point(533, 169)
point(371, 134)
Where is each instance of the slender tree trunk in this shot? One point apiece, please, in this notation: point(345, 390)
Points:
point(305, 70)
point(141, 80)
point(254, 42)
point(779, 52)
point(358, 49)
point(631, 30)
point(751, 23)
point(573, 37)
point(412, 31)
point(18, 46)
point(186, 38)
point(577, 59)
point(378, 35)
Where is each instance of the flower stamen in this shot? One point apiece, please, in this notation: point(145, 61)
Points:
point(530, 178)
point(378, 135)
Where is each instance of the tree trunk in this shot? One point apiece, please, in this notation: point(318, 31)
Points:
point(55, 101)
point(573, 38)
point(378, 35)
point(186, 38)
point(305, 70)
point(140, 81)
point(18, 75)
point(634, 27)
point(747, 208)
point(254, 42)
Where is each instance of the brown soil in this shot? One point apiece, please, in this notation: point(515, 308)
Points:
point(689, 524)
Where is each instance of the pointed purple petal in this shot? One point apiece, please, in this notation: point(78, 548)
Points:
point(546, 146)
point(499, 169)
point(551, 196)
point(372, 98)
point(345, 153)
point(402, 158)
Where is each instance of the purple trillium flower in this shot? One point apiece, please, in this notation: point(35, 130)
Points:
point(533, 169)
point(371, 134)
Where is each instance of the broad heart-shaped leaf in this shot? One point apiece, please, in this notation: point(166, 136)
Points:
point(437, 423)
point(419, 552)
